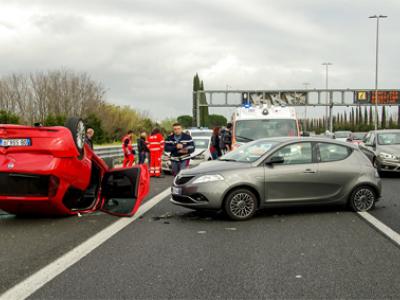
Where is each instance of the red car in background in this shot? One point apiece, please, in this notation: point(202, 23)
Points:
point(356, 138)
point(51, 171)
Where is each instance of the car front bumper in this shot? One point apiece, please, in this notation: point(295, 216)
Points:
point(388, 165)
point(207, 195)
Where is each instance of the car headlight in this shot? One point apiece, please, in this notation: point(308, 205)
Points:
point(208, 178)
point(387, 156)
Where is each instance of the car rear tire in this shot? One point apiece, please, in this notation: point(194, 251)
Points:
point(363, 198)
point(77, 128)
point(240, 204)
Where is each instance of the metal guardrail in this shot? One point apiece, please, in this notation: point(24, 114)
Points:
point(110, 154)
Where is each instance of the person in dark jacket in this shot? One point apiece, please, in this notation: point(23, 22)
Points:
point(226, 138)
point(142, 147)
point(215, 148)
point(180, 145)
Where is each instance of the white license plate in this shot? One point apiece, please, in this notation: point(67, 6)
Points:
point(176, 191)
point(15, 142)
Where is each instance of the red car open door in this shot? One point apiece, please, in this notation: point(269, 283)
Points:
point(123, 190)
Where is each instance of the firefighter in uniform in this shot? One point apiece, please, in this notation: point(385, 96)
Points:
point(129, 152)
point(155, 143)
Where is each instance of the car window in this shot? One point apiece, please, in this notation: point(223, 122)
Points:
point(250, 152)
point(389, 138)
point(201, 143)
point(299, 153)
point(332, 152)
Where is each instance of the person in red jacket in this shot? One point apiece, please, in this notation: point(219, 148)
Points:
point(155, 143)
point(129, 152)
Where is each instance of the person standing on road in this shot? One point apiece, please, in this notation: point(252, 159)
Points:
point(226, 139)
point(129, 152)
point(142, 147)
point(180, 145)
point(155, 144)
point(89, 137)
point(215, 148)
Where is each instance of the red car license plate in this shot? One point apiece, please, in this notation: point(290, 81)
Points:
point(15, 142)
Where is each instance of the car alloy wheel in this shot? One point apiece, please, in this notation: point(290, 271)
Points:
point(362, 199)
point(77, 128)
point(80, 134)
point(241, 204)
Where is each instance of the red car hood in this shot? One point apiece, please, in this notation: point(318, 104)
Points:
point(56, 140)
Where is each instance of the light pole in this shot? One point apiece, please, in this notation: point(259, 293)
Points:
point(306, 84)
point(377, 17)
point(326, 64)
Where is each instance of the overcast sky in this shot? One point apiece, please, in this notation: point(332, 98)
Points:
point(146, 52)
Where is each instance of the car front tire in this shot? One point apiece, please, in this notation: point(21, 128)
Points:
point(240, 204)
point(362, 198)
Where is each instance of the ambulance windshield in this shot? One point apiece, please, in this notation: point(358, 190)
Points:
point(246, 130)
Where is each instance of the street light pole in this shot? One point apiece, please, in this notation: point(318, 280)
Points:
point(377, 17)
point(326, 64)
point(306, 84)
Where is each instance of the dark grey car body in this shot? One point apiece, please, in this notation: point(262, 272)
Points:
point(279, 185)
point(377, 153)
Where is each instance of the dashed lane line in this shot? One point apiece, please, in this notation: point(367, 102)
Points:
point(387, 231)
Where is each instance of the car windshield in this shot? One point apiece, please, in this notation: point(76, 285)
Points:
point(342, 134)
point(250, 130)
point(389, 138)
point(201, 143)
point(249, 152)
point(359, 135)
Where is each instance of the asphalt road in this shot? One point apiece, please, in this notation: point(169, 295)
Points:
point(172, 252)
point(28, 244)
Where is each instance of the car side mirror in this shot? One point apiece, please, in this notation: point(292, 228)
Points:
point(275, 160)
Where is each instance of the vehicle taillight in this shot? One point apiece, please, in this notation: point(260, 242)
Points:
point(53, 185)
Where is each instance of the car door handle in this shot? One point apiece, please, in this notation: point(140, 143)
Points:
point(309, 171)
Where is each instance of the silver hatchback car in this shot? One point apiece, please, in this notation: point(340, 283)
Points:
point(280, 172)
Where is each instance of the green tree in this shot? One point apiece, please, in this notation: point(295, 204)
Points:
point(198, 86)
point(371, 116)
point(203, 109)
point(216, 121)
point(383, 118)
point(185, 120)
point(366, 121)
point(166, 125)
point(7, 117)
point(54, 120)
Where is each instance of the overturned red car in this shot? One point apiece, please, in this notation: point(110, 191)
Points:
point(52, 171)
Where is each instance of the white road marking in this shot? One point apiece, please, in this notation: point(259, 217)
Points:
point(390, 233)
point(34, 282)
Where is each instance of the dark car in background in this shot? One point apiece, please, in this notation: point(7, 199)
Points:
point(280, 172)
point(382, 147)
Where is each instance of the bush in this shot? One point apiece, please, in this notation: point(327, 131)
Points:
point(7, 117)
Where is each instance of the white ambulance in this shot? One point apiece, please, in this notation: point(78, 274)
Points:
point(263, 121)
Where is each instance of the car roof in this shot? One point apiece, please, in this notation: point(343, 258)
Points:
point(310, 139)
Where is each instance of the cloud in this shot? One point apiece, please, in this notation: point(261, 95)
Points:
point(146, 51)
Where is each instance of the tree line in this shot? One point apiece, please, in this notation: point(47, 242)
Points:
point(360, 118)
point(51, 97)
